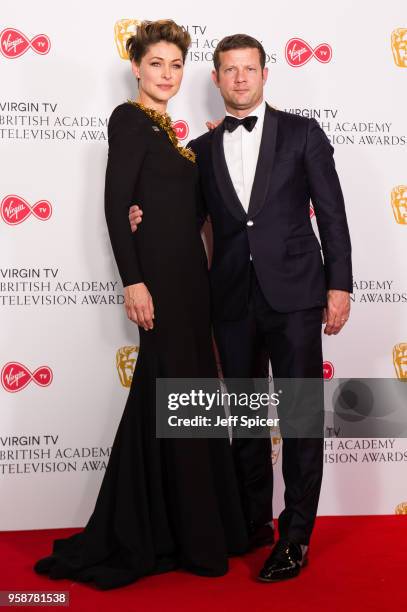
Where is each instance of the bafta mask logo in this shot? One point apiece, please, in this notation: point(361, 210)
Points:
point(181, 129)
point(275, 445)
point(401, 508)
point(123, 29)
point(126, 358)
point(399, 47)
point(328, 370)
point(399, 203)
point(400, 360)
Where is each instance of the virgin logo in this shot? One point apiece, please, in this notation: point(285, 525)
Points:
point(181, 128)
point(328, 370)
point(14, 43)
point(298, 52)
point(15, 376)
point(14, 209)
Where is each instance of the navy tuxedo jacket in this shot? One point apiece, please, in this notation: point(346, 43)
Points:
point(295, 165)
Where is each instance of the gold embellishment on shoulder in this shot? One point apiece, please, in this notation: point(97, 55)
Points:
point(164, 121)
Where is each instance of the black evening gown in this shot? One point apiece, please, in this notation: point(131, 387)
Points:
point(163, 503)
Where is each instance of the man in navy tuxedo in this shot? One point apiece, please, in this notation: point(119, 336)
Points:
point(259, 169)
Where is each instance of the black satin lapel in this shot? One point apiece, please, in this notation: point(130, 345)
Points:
point(264, 162)
point(224, 182)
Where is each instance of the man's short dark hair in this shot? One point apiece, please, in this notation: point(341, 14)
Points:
point(238, 41)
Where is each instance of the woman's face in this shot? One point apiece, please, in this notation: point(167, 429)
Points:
point(160, 71)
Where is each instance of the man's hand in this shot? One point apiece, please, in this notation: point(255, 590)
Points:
point(139, 305)
point(337, 311)
point(211, 125)
point(135, 216)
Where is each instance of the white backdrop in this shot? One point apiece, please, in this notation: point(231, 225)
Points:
point(60, 293)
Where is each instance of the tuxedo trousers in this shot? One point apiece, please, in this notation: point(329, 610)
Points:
point(292, 343)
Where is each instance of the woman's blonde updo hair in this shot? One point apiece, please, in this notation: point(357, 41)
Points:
point(151, 32)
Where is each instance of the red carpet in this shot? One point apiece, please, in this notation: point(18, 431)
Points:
point(356, 564)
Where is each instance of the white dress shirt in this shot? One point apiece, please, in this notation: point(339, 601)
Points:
point(241, 149)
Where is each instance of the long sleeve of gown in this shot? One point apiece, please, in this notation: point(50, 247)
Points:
point(201, 209)
point(127, 148)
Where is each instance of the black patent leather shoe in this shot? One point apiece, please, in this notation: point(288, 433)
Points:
point(260, 535)
point(285, 561)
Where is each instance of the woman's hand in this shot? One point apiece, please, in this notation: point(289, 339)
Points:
point(211, 125)
point(135, 217)
point(139, 305)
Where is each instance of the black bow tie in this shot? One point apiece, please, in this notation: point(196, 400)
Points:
point(231, 123)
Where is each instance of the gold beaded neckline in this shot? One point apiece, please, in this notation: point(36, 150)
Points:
point(165, 123)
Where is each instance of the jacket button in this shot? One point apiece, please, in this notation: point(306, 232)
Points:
point(250, 223)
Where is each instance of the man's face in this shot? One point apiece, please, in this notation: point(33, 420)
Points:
point(240, 78)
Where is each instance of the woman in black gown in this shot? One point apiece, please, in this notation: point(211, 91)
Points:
point(163, 503)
